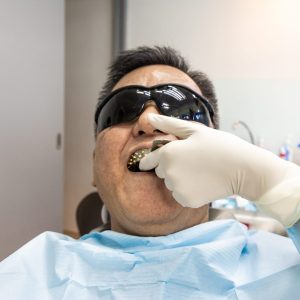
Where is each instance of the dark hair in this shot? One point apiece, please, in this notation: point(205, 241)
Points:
point(130, 60)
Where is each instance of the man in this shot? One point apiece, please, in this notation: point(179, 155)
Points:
point(161, 244)
point(139, 203)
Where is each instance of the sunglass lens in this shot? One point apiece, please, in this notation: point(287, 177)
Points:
point(181, 103)
point(121, 108)
point(192, 112)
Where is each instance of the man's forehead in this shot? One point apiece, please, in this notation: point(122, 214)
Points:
point(156, 74)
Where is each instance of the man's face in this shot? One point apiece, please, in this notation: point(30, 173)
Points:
point(138, 202)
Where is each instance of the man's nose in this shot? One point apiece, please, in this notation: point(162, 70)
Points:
point(142, 125)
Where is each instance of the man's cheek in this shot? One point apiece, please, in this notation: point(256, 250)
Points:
point(106, 165)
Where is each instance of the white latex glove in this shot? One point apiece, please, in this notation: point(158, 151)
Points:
point(206, 164)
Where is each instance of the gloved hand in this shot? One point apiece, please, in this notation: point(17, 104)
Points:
point(206, 164)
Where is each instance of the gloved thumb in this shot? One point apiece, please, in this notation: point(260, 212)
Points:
point(150, 161)
point(180, 128)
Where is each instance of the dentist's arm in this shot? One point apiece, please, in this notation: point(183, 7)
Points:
point(207, 164)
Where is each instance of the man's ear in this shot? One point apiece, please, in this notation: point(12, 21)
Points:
point(93, 180)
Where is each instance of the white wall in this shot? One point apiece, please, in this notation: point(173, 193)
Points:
point(88, 53)
point(31, 116)
point(251, 50)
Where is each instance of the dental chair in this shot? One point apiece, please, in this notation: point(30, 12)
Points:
point(88, 213)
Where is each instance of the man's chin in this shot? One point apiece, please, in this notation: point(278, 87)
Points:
point(150, 191)
point(149, 205)
point(155, 225)
point(155, 209)
point(148, 226)
point(153, 216)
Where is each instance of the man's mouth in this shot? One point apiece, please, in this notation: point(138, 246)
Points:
point(135, 158)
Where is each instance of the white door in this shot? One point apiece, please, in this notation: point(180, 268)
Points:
point(31, 117)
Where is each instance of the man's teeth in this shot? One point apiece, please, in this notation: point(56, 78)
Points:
point(134, 160)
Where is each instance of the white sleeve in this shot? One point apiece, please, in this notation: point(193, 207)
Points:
point(294, 234)
point(283, 202)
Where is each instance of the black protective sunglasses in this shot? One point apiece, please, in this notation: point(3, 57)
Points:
point(126, 104)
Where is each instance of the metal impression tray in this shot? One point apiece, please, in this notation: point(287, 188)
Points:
point(134, 160)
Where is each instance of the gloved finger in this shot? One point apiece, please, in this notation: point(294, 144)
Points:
point(150, 161)
point(188, 201)
point(168, 183)
point(178, 197)
point(180, 128)
point(159, 170)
